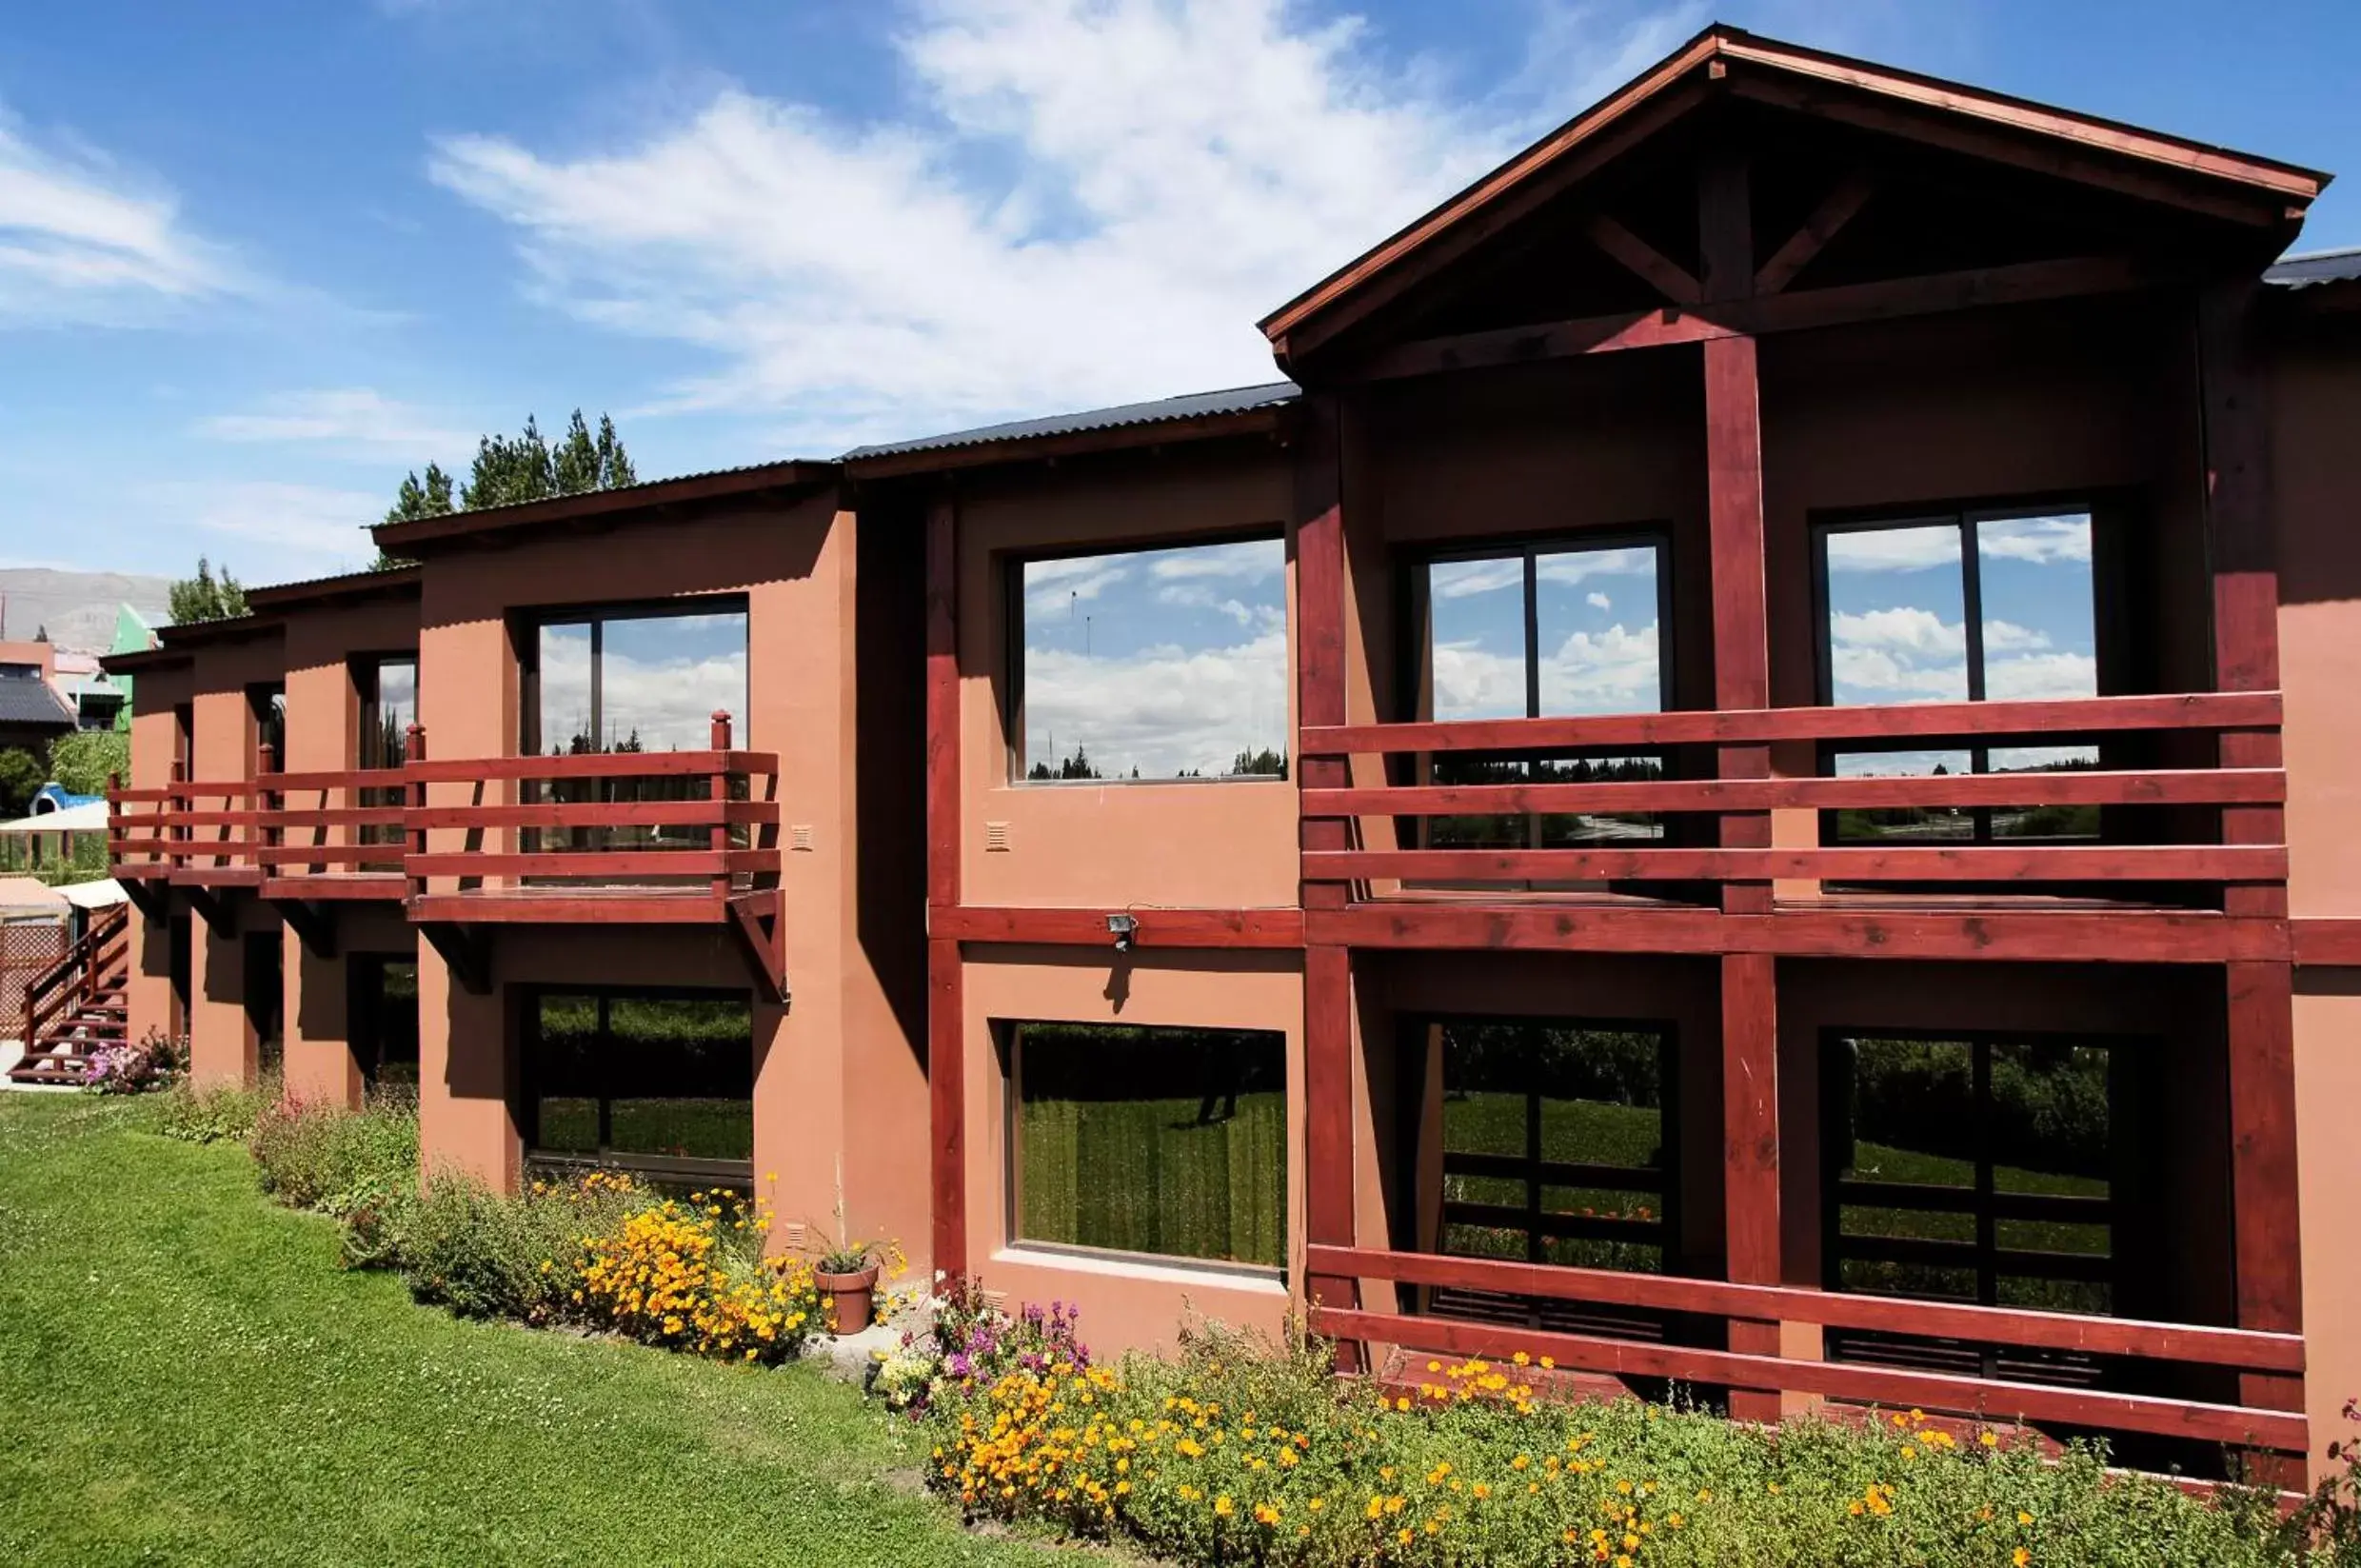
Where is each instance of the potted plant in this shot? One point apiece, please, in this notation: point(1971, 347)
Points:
point(846, 1274)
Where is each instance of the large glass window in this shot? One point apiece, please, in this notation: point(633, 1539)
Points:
point(1557, 1144)
point(1168, 1141)
point(660, 1082)
point(1960, 607)
point(1972, 1170)
point(388, 691)
point(267, 705)
point(1160, 664)
point(1534, 631)
point(626, 681)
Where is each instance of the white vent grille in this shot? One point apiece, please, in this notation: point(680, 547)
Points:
point(996, 837)
point(800, 836)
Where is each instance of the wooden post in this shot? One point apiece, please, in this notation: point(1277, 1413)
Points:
point(414, 750)
point(947, 1009)
point(718, 790)
point(1328, 1197)
point(1742, 680)
point(2260, 1029)
point(266, 764)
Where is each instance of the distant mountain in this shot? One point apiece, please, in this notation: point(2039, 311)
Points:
point(78, 607)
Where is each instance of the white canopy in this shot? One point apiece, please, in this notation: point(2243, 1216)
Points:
point(89, 817)
point(93, 894)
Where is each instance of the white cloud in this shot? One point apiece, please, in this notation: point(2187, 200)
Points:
point(2037, 540)
point(667, 702)
point(2008, 637)
point(303, 529)
point(2041, 675)
point(1094, 201)
point(81, 242)
point(1054, 584)
point(1614, 671)
point(357, 418)
point(1253, 559)
point(1573, 566)
point(1598, 601)
point(1462, 578)
point(1160, 710)
point(1903, 627)
point(1893, 550)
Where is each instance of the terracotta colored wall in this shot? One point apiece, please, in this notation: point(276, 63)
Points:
point(222, 1044)
point(2315, 402)
point(323, 735)
point(148, 998)
point(796, 566)
point(1125, 1304)
point(1116, 843)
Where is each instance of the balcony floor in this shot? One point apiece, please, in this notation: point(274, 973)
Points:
point(613, 905)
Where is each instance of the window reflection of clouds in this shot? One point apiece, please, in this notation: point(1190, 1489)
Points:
point(1586, 657)
point(661, 679)
point(1166, 661)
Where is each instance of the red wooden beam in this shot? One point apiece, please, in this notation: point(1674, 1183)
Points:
point(2053, 718)
point(1924, 862)
point(2022, 283)
point(1989, 1399)
point(547, 906)
point(1836, 209)
point(946, 1020)
point(1158, 927)
point(2195, 1343)
point(2178, 788)
point(2326, 942)
point(1750, 1167)
point(2028, 935)
point(2263, 1175)
point(1669, 277)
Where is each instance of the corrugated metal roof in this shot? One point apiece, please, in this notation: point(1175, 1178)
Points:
point(2314, 268)
point(27, 700)
point(1235, 400)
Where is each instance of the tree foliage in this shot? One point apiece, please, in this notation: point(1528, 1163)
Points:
point(20, 778)
point(509, 470)
point(206, 597)
point(81, 761)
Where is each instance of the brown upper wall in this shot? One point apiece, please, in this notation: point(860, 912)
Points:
point(1214, 843)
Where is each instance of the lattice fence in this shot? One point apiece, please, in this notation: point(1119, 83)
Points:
point(26, 948)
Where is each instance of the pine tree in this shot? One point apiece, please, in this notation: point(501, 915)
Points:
point(509, 470)
point(205, 597)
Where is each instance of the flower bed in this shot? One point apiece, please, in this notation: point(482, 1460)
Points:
point(1241, 1451)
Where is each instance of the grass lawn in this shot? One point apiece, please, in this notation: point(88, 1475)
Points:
point(186, 1375)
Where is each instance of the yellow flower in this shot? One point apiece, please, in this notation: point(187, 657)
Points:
point(2023, 1517)
point(2020, 1558)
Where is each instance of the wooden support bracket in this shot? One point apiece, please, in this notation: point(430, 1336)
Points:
point(213, 908)
point(154, 903)
point(311, 922)
point(466, 950)
point(755, 920)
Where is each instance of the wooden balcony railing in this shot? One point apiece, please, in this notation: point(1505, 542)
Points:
point(2241, 1351)
point(336, 835)
point(197, 834)
point(700, 825)
point(2024, 863)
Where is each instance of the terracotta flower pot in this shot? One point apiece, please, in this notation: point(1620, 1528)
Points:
point(852, 1297)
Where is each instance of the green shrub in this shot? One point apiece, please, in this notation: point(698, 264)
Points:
point(311, 1156)
point(485, 1254)
point(217, 1113)
point(1241, 1452)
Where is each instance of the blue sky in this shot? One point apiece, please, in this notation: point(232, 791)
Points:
point(256, 260)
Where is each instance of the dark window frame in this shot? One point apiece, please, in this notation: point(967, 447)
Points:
point(662, 1168)
point(365, 1005)
point(1010, 564)
point(1007, 1034)
point(266, 723)
point(527, 626)
point(1981, 1200)
point(367, 672)
point(2112, 631)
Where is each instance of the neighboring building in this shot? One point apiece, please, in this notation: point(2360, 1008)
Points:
point(33, 711)
point(133, 635)
point(1743, 780)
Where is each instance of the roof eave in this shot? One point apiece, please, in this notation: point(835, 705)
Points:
point(423, 536)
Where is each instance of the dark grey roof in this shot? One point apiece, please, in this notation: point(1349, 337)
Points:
point(27, 700)
point(1236, 399)
point(2316, 268)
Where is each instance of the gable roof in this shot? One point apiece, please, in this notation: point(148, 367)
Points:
point(2224, 183)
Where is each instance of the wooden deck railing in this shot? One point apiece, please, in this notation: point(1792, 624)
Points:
point(2005, 860)
point(2229, 1349)
point(96, 959)
point(703, 820)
